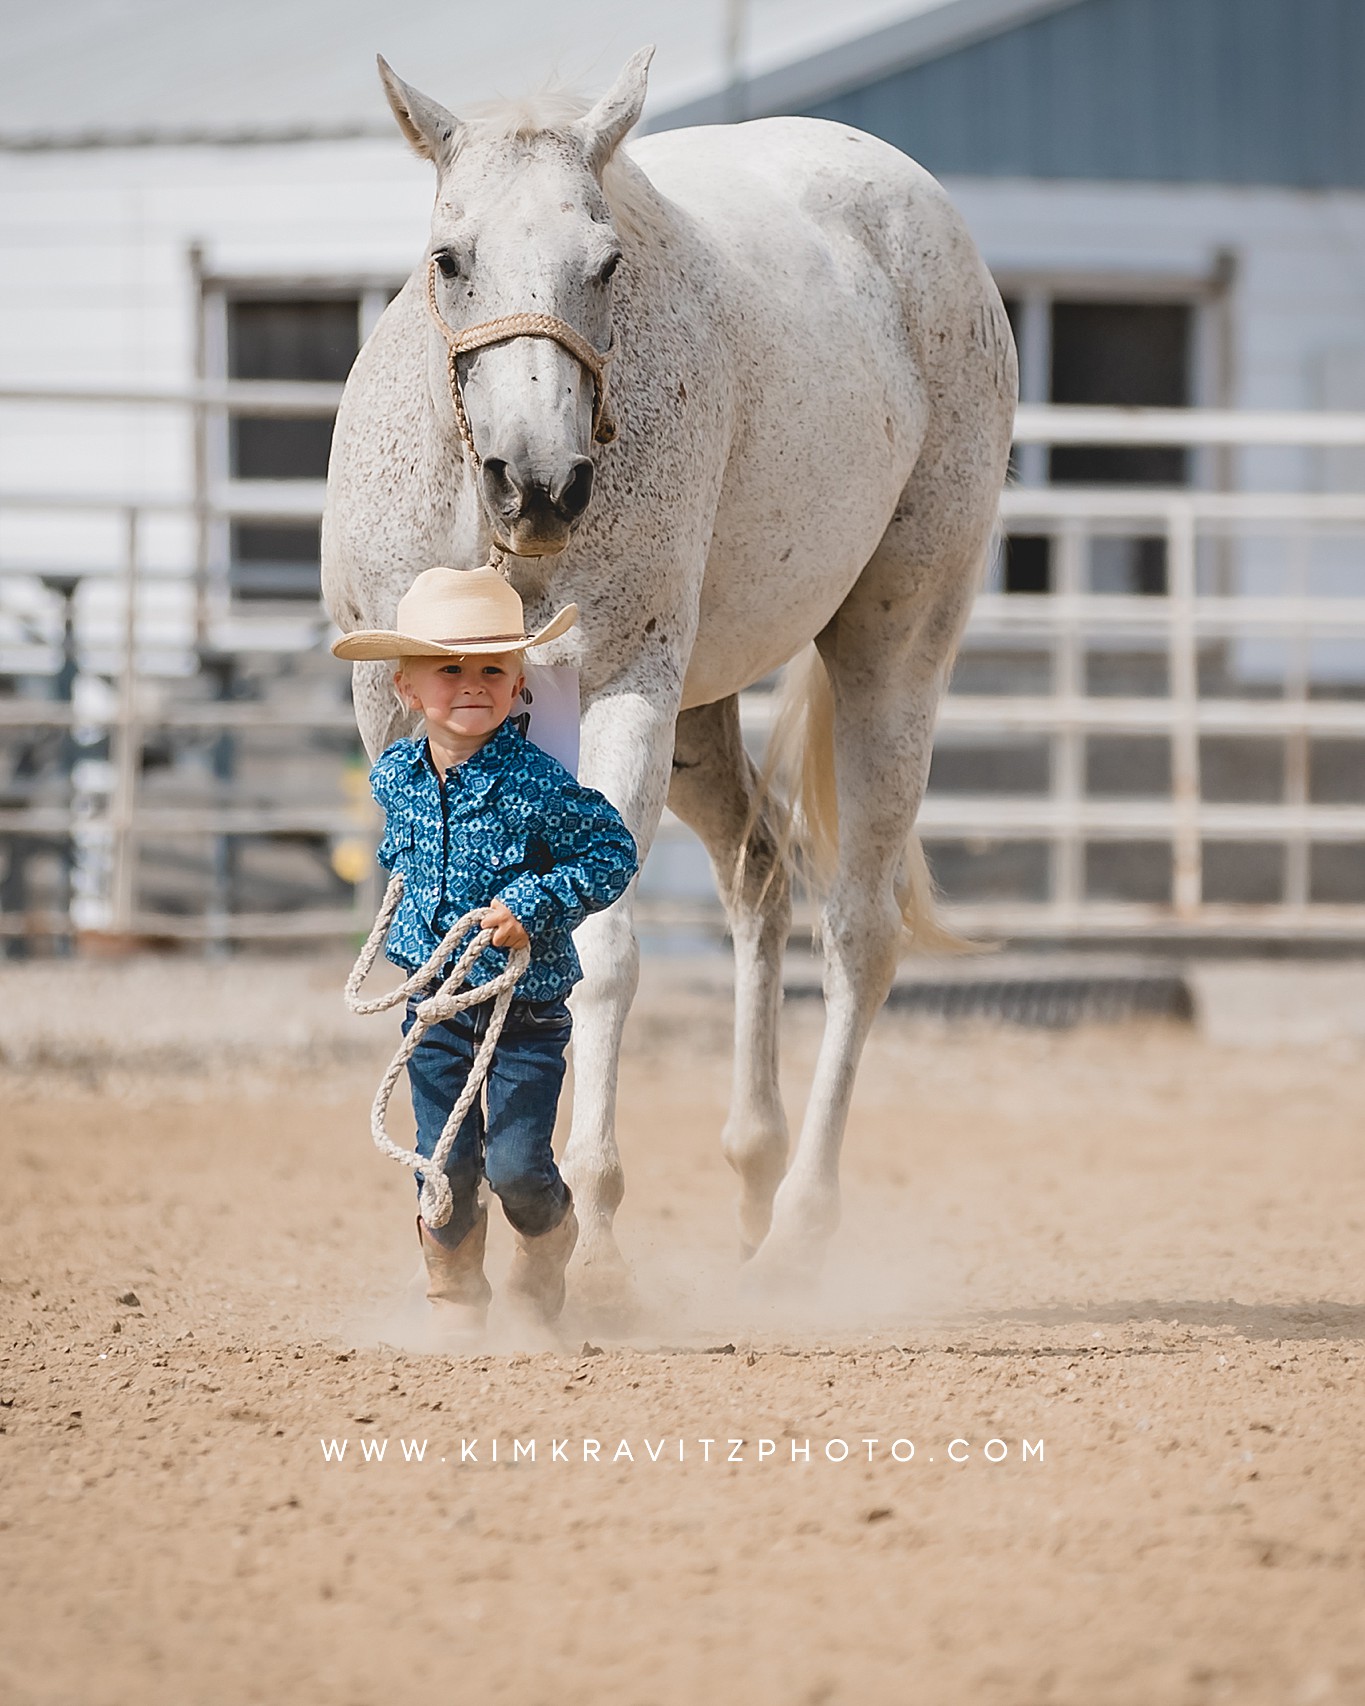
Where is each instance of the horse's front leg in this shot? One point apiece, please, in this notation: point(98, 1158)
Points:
point(627, 746)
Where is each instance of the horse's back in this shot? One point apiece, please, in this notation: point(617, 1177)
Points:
point(798, 155)
point(848, 249)
point(753, 182)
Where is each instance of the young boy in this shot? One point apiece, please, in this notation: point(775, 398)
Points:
point(478, 816)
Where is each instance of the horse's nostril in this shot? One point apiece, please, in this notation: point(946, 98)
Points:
point(499, 487)
point(574, 494)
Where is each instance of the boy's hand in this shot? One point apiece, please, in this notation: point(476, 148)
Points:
point(507, 930)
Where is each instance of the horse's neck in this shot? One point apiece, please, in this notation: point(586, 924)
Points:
point(645, 218)
point(669, 251)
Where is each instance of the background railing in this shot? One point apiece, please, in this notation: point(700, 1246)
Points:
point(1085, 783)
point(160, 627)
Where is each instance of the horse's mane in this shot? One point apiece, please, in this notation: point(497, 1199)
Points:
point(636, 206)
point(528, 115)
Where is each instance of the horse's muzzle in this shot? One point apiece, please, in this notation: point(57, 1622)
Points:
point(536, 517)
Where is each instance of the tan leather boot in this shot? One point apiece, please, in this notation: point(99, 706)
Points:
point(535, 1281)
point(456, 1287)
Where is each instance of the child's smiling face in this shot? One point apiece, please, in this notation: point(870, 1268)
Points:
point(466, 699)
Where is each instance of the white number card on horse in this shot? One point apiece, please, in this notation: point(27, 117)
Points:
point(548, 710)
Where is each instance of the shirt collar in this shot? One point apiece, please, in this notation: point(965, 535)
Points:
point(478, 772)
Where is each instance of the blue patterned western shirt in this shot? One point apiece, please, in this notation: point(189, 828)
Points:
point(509, 824)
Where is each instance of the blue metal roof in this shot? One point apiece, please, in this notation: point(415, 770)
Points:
point(1213, 91)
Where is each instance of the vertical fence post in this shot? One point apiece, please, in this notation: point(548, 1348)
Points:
point(1068, 782)
point(199, 422)
point(1296, 687)
point(123, 810)
point(1187, 852)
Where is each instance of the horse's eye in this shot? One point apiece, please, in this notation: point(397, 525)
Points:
point(608, 267)
point(447, 265)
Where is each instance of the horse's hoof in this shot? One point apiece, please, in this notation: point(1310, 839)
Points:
point(765, 1282)
point(778, 1269)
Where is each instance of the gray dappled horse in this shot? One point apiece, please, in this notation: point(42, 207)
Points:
point(811, 385)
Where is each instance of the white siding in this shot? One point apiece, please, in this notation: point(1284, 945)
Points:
point(97, 287)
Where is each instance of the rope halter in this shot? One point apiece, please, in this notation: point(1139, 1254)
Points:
point(520, 326)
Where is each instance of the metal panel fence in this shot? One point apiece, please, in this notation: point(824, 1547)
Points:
point(99, 812)
point(1260, 625)
point(1252, 631)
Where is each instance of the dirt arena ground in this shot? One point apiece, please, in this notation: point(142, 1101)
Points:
point(1136, 1250)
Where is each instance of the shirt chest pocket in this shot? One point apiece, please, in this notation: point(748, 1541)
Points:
point(506, 856)
point(401, 841)
point(401, 851)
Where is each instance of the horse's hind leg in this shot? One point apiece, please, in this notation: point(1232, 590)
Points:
point(712, 790)
point(887, 652)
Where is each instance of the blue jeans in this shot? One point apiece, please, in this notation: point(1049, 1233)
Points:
point(511, 1144)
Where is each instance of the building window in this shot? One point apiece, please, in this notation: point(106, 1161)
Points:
point(1027, 566)
point(1108, 352)
point(268, 471)
point(294, 338)
point(1128, 355)
point(279, 559)
point(274, 338)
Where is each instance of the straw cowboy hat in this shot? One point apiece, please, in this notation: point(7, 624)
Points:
point(451, 612)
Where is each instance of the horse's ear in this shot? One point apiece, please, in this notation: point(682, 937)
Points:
point(606, 125)
point(431, 131)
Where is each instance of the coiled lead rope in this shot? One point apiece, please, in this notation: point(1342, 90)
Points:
point(435, 1203)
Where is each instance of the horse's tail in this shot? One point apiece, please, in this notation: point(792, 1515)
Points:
point(798, 772)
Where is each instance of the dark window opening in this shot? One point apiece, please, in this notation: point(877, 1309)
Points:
point(1241, 769)
point(309, 338)
point(1025, 668)
point(293, 338)
point(1124, 354)
point(991, 767)
point(1011, 308)
point(1243, 873)
point(1127, 767)
point(991, 870)
point(266, 448)
point(1336, 873)
point(275, 560)
point(1135, 871)
point(1028, 563)
point(1126, 675)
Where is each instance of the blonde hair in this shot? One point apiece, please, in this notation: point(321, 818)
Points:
point(394, 688)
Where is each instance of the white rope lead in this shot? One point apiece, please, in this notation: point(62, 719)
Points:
point(435, 1203)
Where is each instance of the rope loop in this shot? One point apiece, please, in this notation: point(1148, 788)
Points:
point(435, 1204)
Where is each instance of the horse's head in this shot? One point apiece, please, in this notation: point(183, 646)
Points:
point(522, 227)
